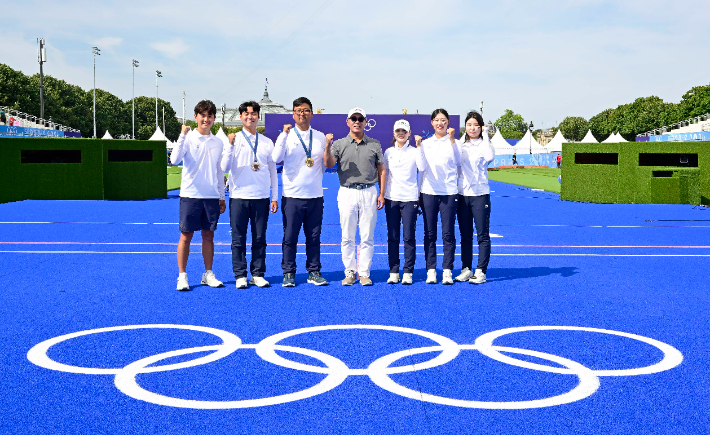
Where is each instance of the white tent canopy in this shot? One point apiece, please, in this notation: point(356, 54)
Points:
point(221, 135)
point(589, 138)
point(555, 145)
point(107, 135)
point(500, 145)
point(528, 145)
point(158, 135)
point(620, 138)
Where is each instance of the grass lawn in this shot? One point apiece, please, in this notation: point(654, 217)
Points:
point(174, 176)
point(536, 178)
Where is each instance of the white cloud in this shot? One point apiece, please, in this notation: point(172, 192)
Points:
point(107, 43)
point(172, 49)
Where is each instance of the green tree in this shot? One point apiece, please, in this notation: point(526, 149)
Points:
point(145, 118)
point(694, 102)
point(601, 126)
point(511, 125)
point(574, 128)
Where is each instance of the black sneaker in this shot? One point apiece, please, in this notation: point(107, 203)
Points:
point(316, 278)
point(289, 280)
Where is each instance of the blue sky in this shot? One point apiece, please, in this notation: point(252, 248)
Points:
point(544, 59)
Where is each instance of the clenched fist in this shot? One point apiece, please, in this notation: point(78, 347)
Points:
point(328, 139)
point(451, 133)
point(287, 128)
point(185, 129)
point(232, 136)
point(418, 140)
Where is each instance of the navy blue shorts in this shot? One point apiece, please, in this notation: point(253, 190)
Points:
point(198, 214)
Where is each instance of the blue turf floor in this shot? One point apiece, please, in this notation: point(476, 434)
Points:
point(71, 266)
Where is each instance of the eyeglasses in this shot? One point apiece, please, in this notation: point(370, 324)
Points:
point(357, 118)
point(303, 112)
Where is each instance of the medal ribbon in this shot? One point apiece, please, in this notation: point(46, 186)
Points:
point(253, 147)
point(310, 143)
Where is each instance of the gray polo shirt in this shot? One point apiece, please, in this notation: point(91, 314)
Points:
point(357, 162)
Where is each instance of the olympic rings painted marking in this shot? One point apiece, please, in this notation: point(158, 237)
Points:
point(265, 349)
point(337, 371)
point(371, 123)
point(38, 354)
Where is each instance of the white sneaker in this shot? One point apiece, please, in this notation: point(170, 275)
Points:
point(209, 279)
point(466, 274)
point(394, 278)
point(478, 278)
point(447, 277)
point(407, 279)
point(182, 284)
point(431, 276)
point(259, 281)
point(242, 283)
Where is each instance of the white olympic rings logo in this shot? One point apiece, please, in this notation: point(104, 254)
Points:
point(337, 371)
point(371, 123)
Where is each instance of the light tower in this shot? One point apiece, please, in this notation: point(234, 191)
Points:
point(135, 65)
point(41, 58)
point(96, 52)
point(157, 74)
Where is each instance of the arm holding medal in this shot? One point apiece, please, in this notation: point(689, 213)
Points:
point(328, 158)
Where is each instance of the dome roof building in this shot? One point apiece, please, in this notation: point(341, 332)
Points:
point(231, 116)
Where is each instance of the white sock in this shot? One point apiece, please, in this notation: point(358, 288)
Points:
point(182, 275)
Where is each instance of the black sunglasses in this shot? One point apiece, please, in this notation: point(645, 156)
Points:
point(357, 118)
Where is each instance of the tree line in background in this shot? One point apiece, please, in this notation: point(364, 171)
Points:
point(630, 120)
point(72, 106)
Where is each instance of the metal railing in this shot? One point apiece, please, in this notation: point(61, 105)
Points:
point(35, 121)
point(679, 124)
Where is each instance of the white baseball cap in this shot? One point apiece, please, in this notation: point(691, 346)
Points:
point(403, 124)
point(356, 110)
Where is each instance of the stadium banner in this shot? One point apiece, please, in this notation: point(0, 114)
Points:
point(546, 159)
point(378, 126)
point(8, 131)
point(700, 136)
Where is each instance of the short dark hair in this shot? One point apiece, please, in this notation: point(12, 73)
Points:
point(302, 100)
point(206, 106)
point(438, 111)
point(473, 115)
point(253, 104)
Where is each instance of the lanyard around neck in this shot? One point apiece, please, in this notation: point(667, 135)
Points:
point(310, 143)
point(253, 147)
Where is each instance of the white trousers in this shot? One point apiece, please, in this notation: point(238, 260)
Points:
point(358, 207)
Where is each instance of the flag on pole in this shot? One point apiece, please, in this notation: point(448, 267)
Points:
point(267, 81)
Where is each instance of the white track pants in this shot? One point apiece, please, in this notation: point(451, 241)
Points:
point(358, 207)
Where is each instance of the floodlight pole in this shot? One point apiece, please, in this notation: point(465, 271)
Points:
point(157, 74)
point(481, 110)
point(183, 108)
point(135, 65)
point(95, 51)
point(164, 135)
point(41, 58)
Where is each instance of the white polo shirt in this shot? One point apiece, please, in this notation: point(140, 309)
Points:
point(476, 154)
point(202, 175)
point(299, 180)
point(402, 165)
point(442, 160)
point(244, 182)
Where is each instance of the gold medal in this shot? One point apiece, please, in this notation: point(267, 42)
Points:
point(309, 162)
point(255, 166)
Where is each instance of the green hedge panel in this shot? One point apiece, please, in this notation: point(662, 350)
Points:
point(628, 183)
point(94, 178)
point(135, 180)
